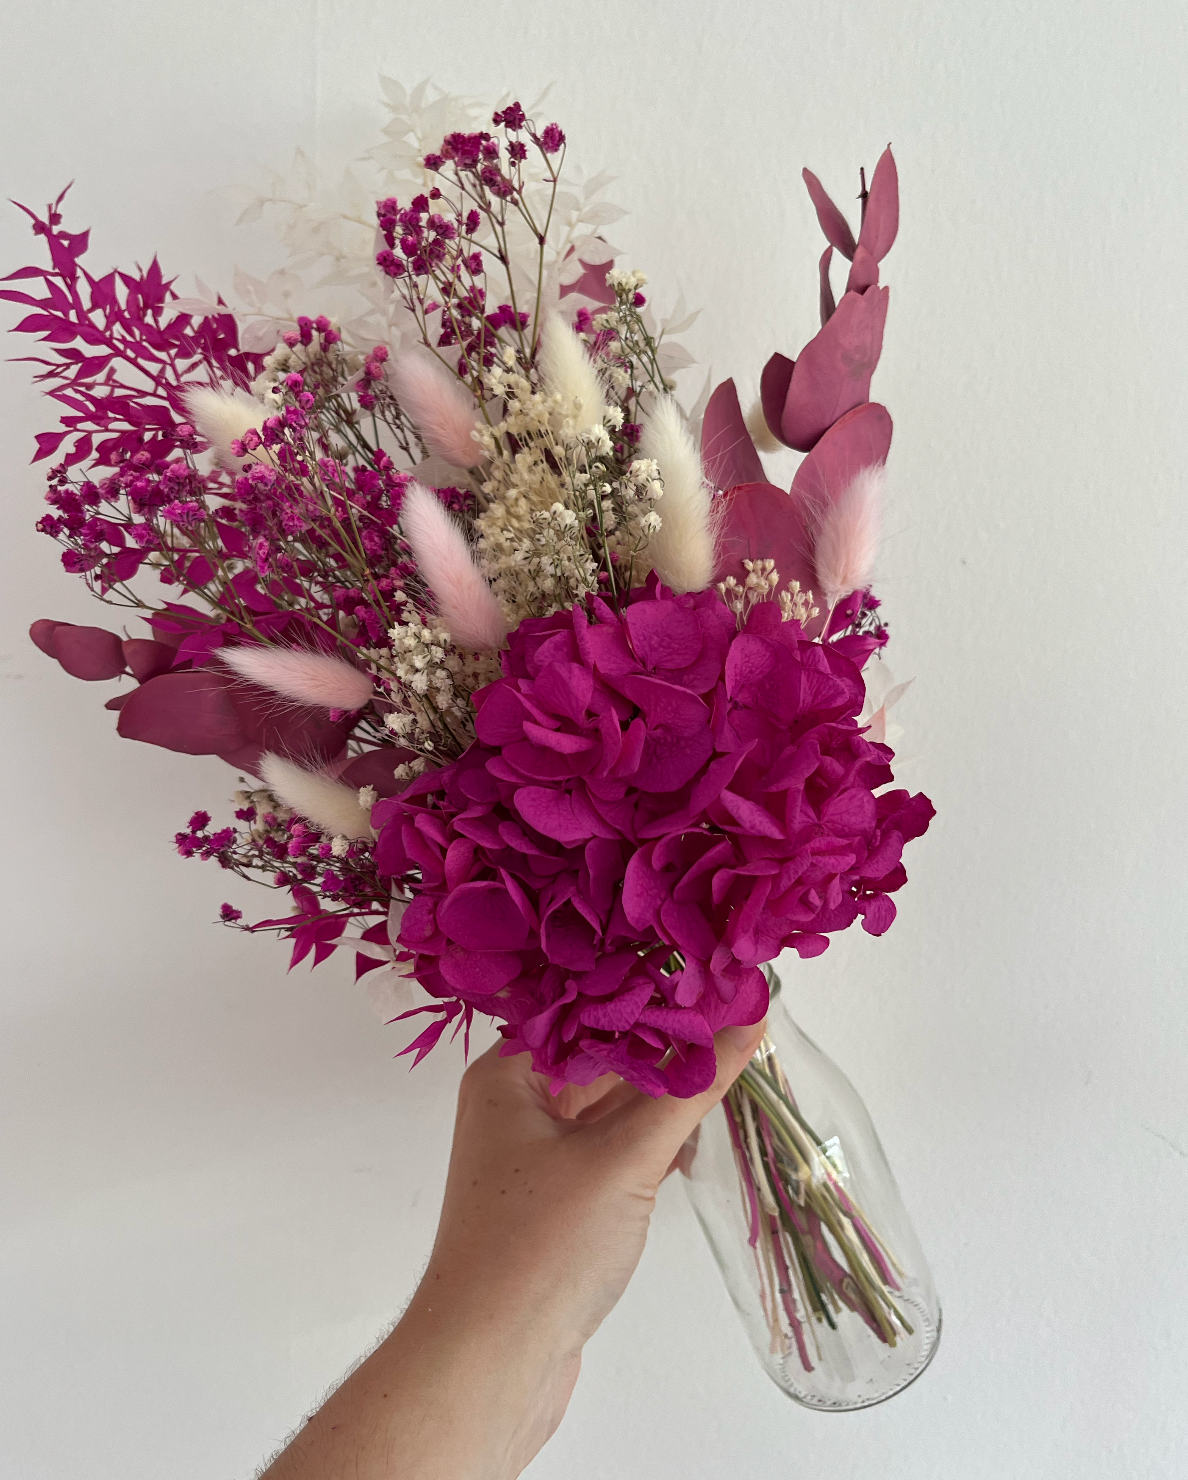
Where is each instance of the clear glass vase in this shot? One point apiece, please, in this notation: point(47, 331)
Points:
point(801, 1210)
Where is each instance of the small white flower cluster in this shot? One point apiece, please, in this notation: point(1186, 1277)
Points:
point(418, 657)
point(626, 280)
point(625, 283)
point(761, 581)
point(640, 340)
point(797, 605)
point(643, 480)
point(430, 682)
point(531, 541)
point(550, 480)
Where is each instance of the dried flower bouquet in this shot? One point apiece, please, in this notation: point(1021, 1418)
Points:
point(544, 696)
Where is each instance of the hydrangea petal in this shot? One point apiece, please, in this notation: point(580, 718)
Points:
point(621, 1010)
point(671, 758)
point(551, 813)
point(692, 1072)
point(878, 914)
point(481, 916)
point(565, 688)
point(663, 635)
point(478, 972)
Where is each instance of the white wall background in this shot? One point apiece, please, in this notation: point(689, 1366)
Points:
point(217, 1184)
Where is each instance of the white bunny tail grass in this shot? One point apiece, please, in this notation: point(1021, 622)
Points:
point(328, 804)
point(847, 537)
point(568, 371)
point(683, 550)
point(222, 416)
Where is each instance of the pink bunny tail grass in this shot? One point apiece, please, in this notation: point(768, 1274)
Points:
point(465, 603)
point(328, 804)
point(310, 678)
point(443, 410)
point(847, 538)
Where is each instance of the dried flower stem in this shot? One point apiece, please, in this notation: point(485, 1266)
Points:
point(816, 1251)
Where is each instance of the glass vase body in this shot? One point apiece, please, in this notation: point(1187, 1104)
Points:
point(825, 1270)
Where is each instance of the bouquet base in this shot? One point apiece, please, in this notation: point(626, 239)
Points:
point(806, 1223)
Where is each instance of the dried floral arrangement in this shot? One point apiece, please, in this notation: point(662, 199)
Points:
point(544, 697)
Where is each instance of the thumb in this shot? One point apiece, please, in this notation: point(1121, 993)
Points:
point(658, 1128)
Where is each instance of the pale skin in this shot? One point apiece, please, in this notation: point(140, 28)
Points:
point(546, 1212)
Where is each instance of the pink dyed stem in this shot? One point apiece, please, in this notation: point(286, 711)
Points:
point(872, 1248)
point(786, 1294)
point(868, 1239)
point(765, 1131)
point(745, 1169)
point(827, 1264)
point(837, 1277)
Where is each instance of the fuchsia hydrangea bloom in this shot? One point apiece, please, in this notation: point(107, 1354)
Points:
point(656, 804)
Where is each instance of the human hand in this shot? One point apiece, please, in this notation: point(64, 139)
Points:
point(545, 1216)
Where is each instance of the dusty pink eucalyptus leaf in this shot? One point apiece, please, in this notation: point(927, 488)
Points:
point(864, 272)
point(91, 653)
point(833, 223)
point(189, 712)
point(880, 224)
point(147, 658)
point(201, 711)
point(834, 370)
point(299, 732)
point(727, 453)
point(859, 439)
point(827, 303)
point(41, 634)
point(763, 522)
point(773, 391)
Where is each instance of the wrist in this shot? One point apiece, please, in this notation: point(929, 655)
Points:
point(483, 1383)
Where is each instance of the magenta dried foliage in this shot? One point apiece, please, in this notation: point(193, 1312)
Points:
point(115, 355)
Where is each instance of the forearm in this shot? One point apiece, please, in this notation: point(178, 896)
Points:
point(462, 1389)
point(543, 1222)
